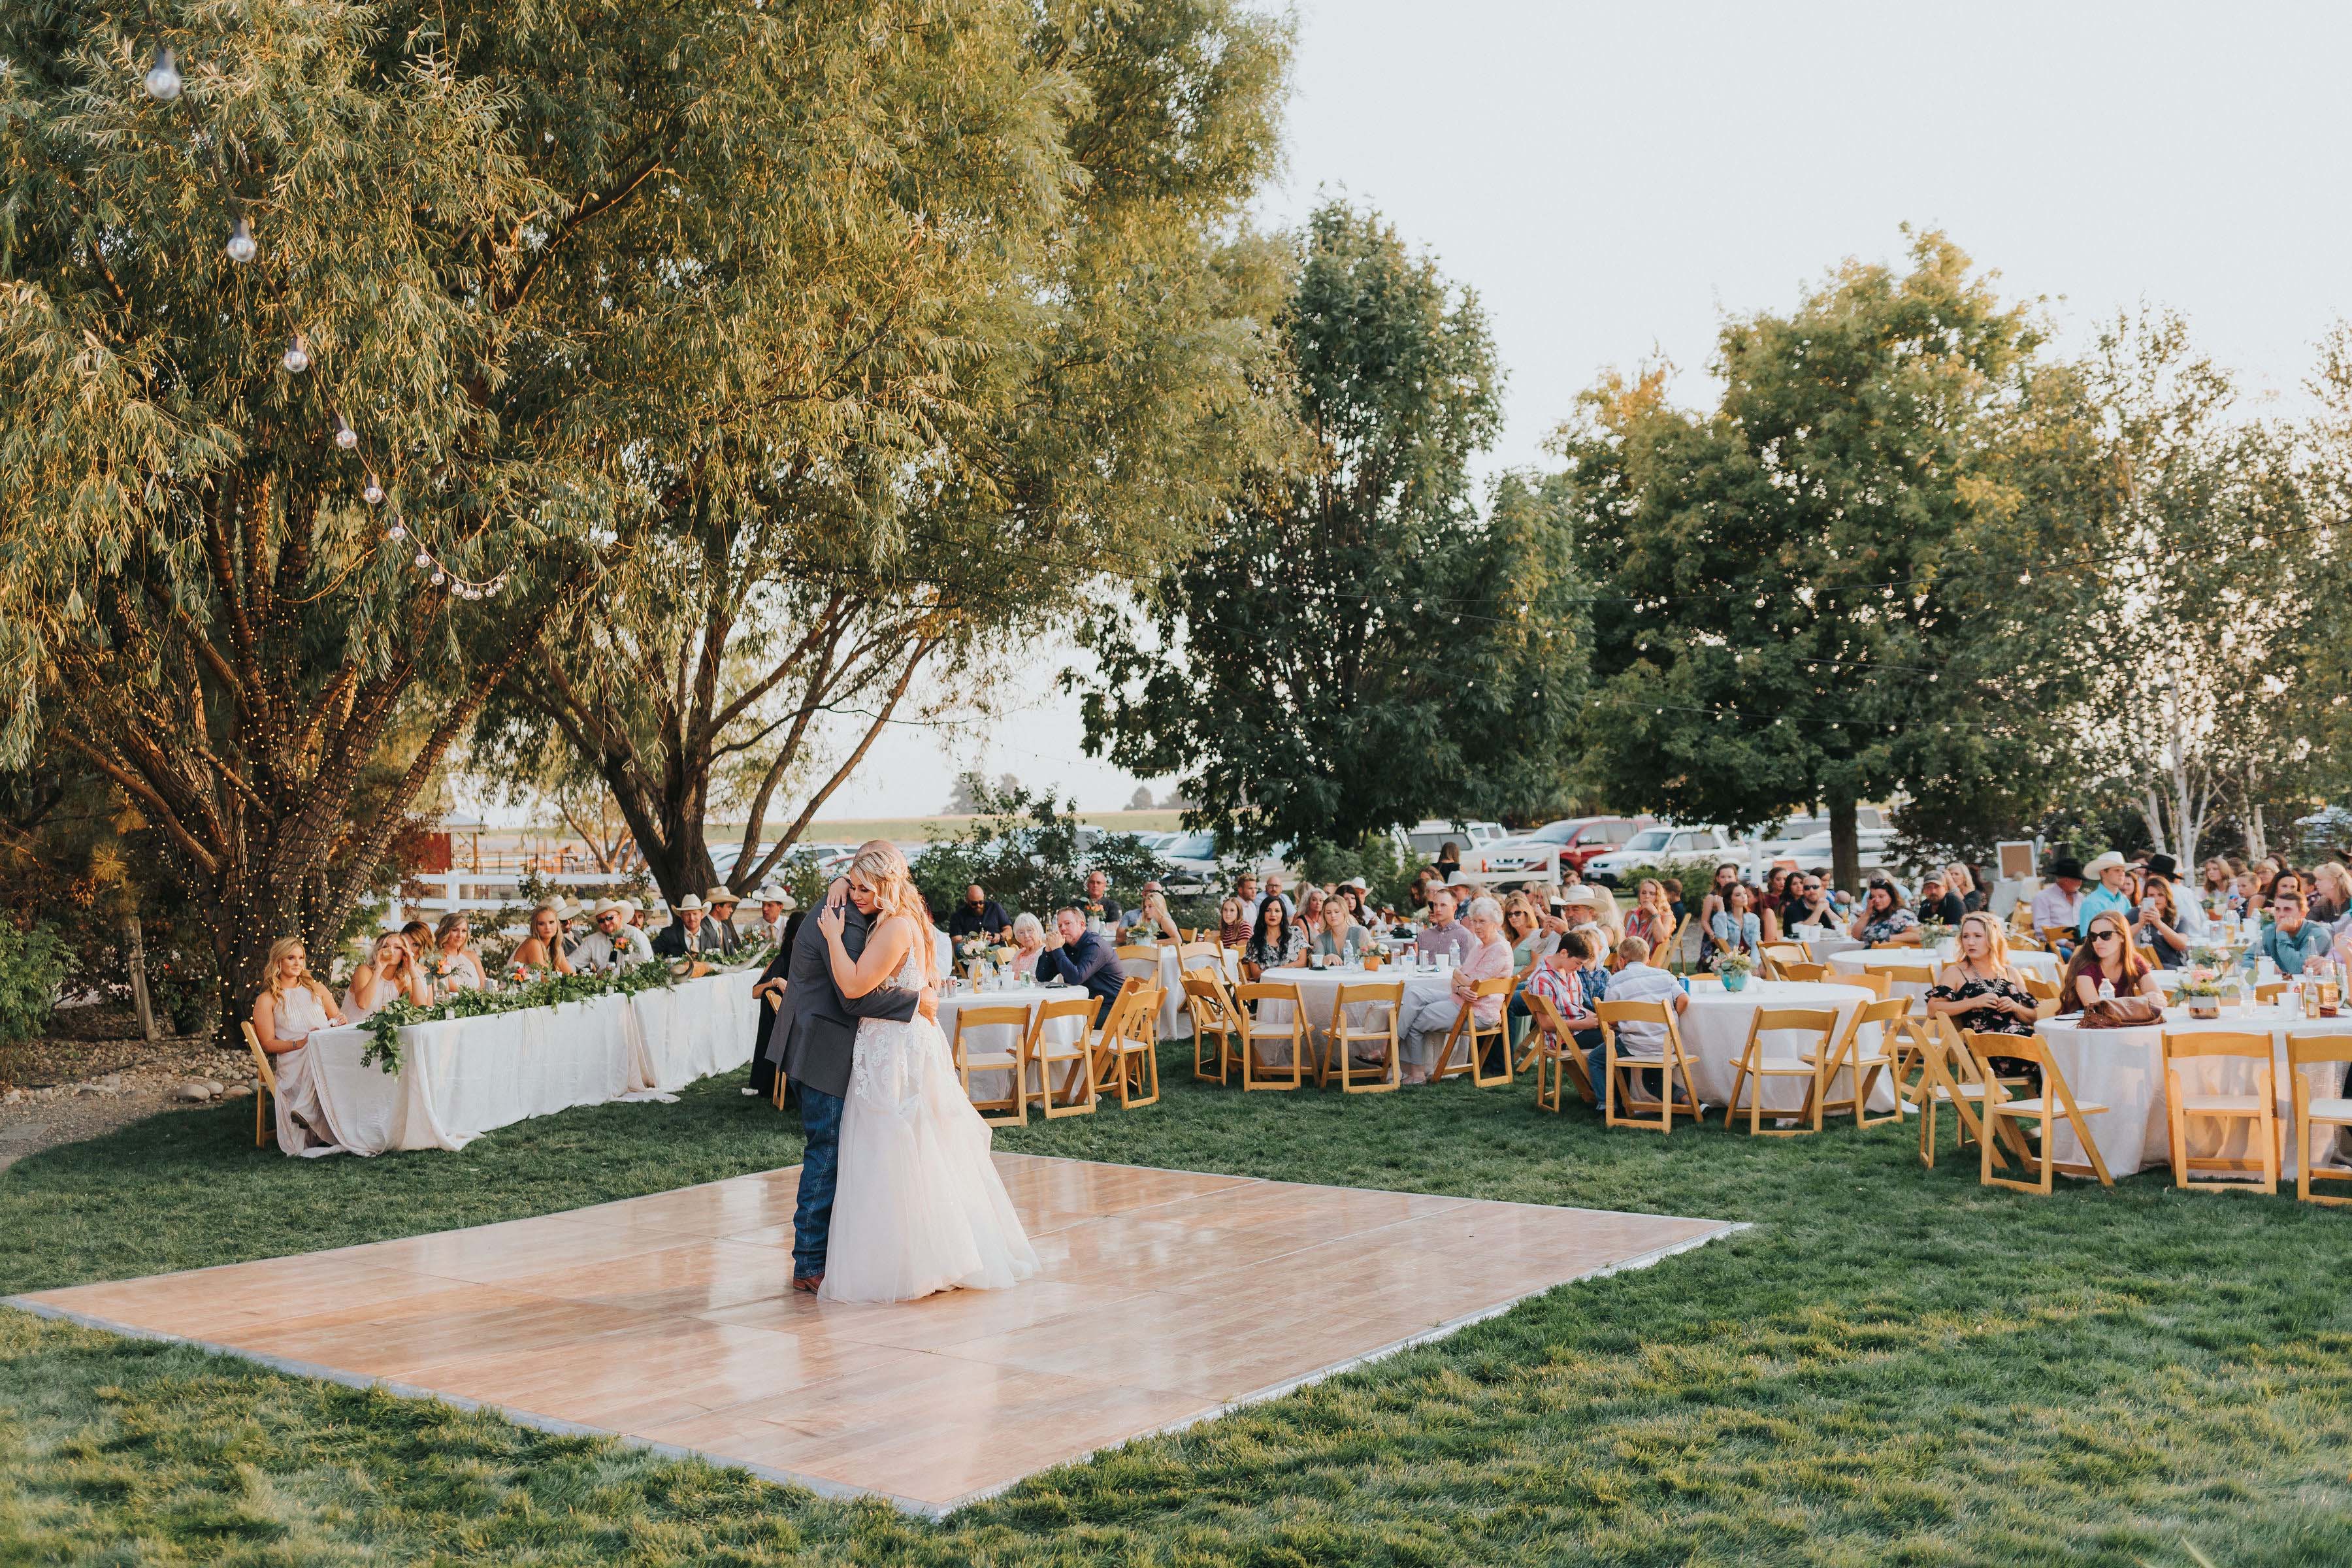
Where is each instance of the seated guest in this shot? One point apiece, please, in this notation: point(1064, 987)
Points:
point(1813, 905)
point(1354, 893)
point(2157, 924)
point(2331, 899)
point(1101, 907)
point(2217, 879)
point(1674, 891)
point(1339, 940)
point(721, 924)
point(1636, 980)
point(1449, 861)
point(1489, 958)
point(1275, 942)
point(2188, 914)
point(292, 1006)
point(419, 938)
point(1581, 908)
point(1524, 930)
point(1650, 919)
point(1444, 933)
point(457, 967)
point(1565, 976)
point(1233, 923)
point(770, 931)
point(686, 934)
point(614, 944)
point(1958, 879)
point(978, 915)
point(1938, 903)
point(1605, 916)
point(1245, 890)
point(1274, 890)
point(391, 973)
point(1979, 991)
point(2106, 956)
point(541, 953)
point(2112, 872)
point(2059, 906)
point(1310, 908)
point(2290, 941)
point(1076, 956)
point(1726, 877)
point(1884, 921)
point(1154, 924)
point(1736, 928)
point(1028, 941)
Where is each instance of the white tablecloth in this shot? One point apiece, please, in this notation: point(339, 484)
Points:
point(463, 1077)
point(1822, 949)
point(1318, 989)
point(2044, 964)
point(1002, 1038)
point(1715, 1032)
point(1175, 1019)
point(2123, 1070)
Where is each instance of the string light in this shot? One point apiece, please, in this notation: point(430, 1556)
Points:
point(396, 532)
point(374, 495)
point(240, 241)
point(345, 436)
point(423, 560)
point(297, 358)
point(163, 76)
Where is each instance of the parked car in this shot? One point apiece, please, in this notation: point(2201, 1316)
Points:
point(1195, 863)
point(1538, 857)
point(1872, 846)
point(1425, 839)
point(1667, 841)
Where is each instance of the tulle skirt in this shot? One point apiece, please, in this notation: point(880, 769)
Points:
point(918, 1206)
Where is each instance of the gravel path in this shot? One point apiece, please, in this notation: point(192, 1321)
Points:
point(62, 1090)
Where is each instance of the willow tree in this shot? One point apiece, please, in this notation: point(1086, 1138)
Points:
point(1094, 341)
point(267, 506)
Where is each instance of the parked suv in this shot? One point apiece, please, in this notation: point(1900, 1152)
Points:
point(1665, 841)
point(1538, 856)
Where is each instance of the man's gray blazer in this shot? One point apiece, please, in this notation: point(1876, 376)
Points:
point(816, 1034)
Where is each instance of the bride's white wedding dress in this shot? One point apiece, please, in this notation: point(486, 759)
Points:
point(918, 1206)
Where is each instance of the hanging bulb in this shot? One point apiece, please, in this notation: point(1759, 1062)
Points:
point(423, 559)
point(163, 76)
point(240, 241)
point(396, 532)
point(374, 495)
point(298, 356)
point(439, 576)
point(345, 436)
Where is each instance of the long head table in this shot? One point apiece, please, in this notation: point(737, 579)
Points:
point(464, 1077)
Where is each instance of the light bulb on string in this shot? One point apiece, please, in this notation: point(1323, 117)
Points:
point(297, 358)
point(396, 532)
point(163, 76)
point(240, 241)
point(423, 559)
point(374, 493)
point(345, 436)
point(439, 576)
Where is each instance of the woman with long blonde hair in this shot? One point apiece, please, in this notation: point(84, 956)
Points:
point(918, 1205)
point(391, 974)
point(291, 1007)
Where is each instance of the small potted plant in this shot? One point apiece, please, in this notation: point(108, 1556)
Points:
point(2202, 993)
point(1934, 934)
point(1735, 968)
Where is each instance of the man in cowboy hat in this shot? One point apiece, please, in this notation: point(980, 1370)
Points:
point(720, 926)
point(688, 933)
point(2110, 895)
point(774, 905)
point(614, 944)
point(2056, 905)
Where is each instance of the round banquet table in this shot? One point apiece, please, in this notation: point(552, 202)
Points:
point(1822, 949)
point(1003, 1037)
point(1715, 1032)
point(1167, 973)
point(1318, 989)
point(2123, 1070)
point(2042, 965)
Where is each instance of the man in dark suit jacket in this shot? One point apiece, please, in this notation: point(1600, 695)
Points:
point(1081, 957)
point(815, 1041)
point(769, 990)
point(691, 931)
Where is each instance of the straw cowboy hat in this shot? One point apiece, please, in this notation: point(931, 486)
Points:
point(611, 907)
point(717, 895)
point(2110, 861)
point(687, 902)
point(773, 896)
point(1581, 895)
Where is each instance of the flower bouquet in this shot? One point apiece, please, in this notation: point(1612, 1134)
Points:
point(1735, 968)
point(2202, 992)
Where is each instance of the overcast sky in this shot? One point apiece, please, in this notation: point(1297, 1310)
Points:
point(1614, 178)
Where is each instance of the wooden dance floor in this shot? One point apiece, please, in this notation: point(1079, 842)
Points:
point(1166, 1297)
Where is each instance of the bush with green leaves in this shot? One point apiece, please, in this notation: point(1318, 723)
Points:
point(1388, 876)
point(32, 966)
point(1030, 854)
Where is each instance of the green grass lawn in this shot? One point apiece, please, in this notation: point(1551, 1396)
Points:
point(1894, 1367)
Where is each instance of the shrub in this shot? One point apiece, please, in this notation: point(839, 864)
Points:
point(32, 967)
point(1028, 855)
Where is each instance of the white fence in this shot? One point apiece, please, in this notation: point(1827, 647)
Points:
point(472, 890)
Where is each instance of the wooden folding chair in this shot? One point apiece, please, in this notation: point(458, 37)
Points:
point(1140, 951)
point(1250, 998)
point(1871, 980)
point(1073, 1055)
point(1386, 998)
point(1754, 1070)
point(1866, 1063)
point(1816, 973)
point(1213, 1021)
point(2055, 1101)
point(2041, 990)
point(971, 1058)
point(1480, 1039)
point(1949, 1076)
point(1126, 1047)
point(265, 1125)
point(1622, 1069)
point(2259, 1110)
point(1778, 955)
point(2317, 1110)
point(2052, 935)
point(1556, 1058)
point(1191, 955)
point(2270, 991)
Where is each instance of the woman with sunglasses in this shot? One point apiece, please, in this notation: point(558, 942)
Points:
point(2106, 955)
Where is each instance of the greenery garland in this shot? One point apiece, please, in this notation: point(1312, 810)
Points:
point(384, 1025)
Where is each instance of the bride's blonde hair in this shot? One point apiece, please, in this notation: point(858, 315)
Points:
point(880, 867)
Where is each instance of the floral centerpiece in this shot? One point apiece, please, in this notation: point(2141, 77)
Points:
point(1934, 934)
point(2201, 990)
point(384, 1026)
point(1735, 968)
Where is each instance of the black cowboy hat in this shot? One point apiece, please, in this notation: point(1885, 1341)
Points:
point(2065, 866)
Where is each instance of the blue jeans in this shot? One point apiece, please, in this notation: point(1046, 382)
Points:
point(820, 1167)
point(1596, 1066)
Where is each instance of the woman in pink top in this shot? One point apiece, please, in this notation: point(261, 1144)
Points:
point(1489, 958)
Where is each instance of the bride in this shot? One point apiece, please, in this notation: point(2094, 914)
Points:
point(919, 1206)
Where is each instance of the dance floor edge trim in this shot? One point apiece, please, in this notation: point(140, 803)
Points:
point(822, 1486)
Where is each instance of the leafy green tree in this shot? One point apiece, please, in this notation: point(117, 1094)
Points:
point(1353, 646)
point(1796, 590)
point(1029, 854)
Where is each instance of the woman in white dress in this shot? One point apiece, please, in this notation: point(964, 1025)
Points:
point(919, 1206)
point(391, 973)
point(457, 967)
point(293, 1005)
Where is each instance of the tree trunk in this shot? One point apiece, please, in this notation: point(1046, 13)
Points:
point(1845, 836)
